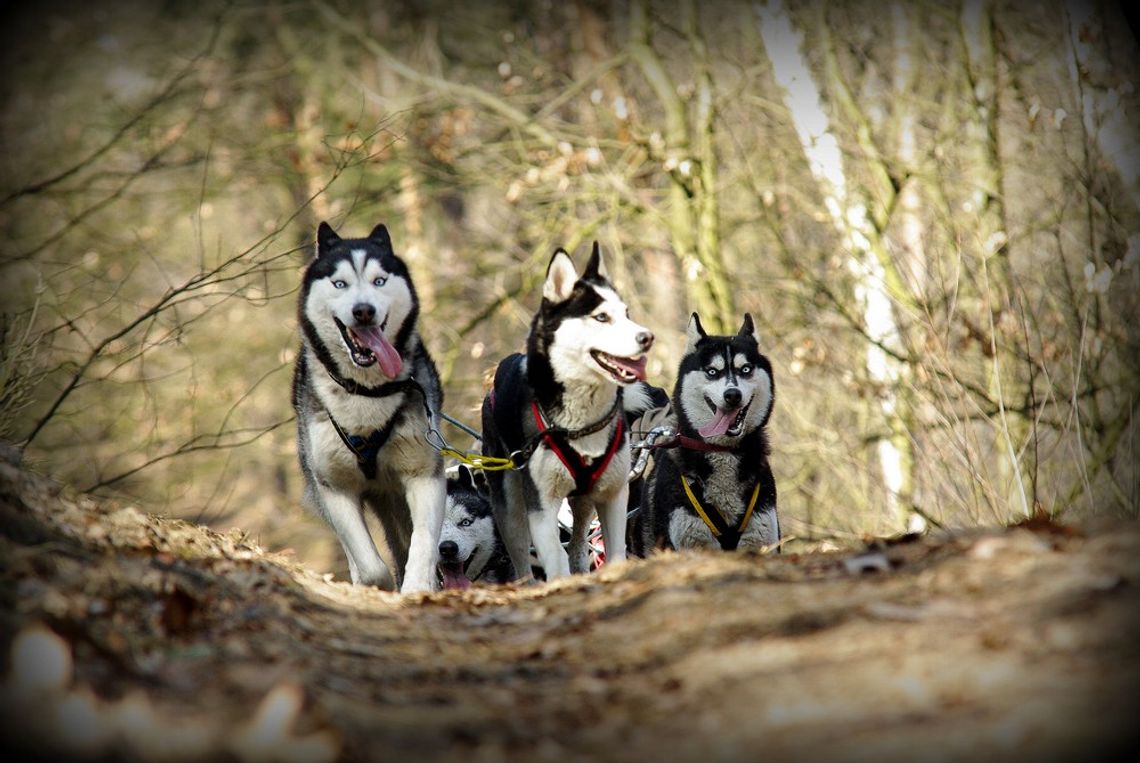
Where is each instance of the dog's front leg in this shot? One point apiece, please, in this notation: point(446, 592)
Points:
point(427, 497)
point(612, 517)
point(547, 543)
point(583, 511)
point(509, 503)
point(364, 563)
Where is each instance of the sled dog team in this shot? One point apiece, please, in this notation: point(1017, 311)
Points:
point(367, 393)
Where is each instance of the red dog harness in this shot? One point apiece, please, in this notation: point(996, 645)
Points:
point(585, 475)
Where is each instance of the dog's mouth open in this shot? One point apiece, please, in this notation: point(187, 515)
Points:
point(730, 423)
point(623, 370)
point(367, 345)
point(453, 574)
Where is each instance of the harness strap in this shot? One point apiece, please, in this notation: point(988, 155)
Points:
point(694, 443)
point(520, 456)
point(727, 537)
point(585, 475)
point(382, 390)
point(365, 448)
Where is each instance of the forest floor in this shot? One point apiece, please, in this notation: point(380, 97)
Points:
point(129, 636)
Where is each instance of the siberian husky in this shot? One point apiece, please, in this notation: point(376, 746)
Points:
point(715, 488)
point(366, 391)
point(470, 549)
point(558, 412)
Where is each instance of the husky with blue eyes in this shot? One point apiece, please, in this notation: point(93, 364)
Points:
point(366, 391)
point(558, 412)
point(714, 487)
point(470, 549)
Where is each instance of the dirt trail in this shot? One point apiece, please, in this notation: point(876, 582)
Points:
point(188, 644)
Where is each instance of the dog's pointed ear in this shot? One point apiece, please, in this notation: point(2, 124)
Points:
point(379, 235)
point(560, 277)
point(694, 333)
point(466, 478)
point(748, 329)
point(326, 239)
point(596, 267)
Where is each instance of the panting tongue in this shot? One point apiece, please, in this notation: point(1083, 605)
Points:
point(373, 338)
point(635, 367)
point(453, 577)
point(719, 425)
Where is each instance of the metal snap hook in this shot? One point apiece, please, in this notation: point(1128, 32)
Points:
point(435, 439)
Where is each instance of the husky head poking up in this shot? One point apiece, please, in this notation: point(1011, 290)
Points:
point(469, 546)
point(583, 328)
point(358, 298)
point(724, 384)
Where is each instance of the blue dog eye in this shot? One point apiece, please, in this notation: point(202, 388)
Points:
point(711, 372)
point(745, 370)
point(380, 281)
point(602, 318)
point(339, 284)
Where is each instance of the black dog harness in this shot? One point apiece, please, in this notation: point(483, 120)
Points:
point(367, 447)
point(364, 447)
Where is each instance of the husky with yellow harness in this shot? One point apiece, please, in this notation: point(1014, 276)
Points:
point(711, 486)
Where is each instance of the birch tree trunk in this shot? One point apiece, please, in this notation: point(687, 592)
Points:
point(911, 250)
point(1106, 122)
point(1110, 140)
point(876, 284)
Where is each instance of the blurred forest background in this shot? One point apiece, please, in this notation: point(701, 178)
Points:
point(932, 209)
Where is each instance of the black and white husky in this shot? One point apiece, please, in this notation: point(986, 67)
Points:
point(558, 412)
point(366, 391)
point(714, 489)
point(470, 549)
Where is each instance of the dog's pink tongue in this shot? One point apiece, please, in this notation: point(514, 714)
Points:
point(635, 367)
point(390, 362)
point(453, 577)
point(719, 425)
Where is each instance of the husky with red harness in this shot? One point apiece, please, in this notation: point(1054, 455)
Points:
point(558, 412)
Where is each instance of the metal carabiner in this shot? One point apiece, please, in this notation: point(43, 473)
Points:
point(431, 433)
point(646, 446)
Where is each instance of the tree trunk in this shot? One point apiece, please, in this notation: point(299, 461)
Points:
point(876, 283)
point(991, 242)
point(693, 216)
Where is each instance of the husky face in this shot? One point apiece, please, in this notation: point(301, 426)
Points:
point(468, 537)
point(724, 386)
point(359, 302)
point(584, 327)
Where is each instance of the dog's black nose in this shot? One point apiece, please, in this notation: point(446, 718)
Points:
point(732, 397)
point(645, 340)
point(448, 549)
point(363, 312)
